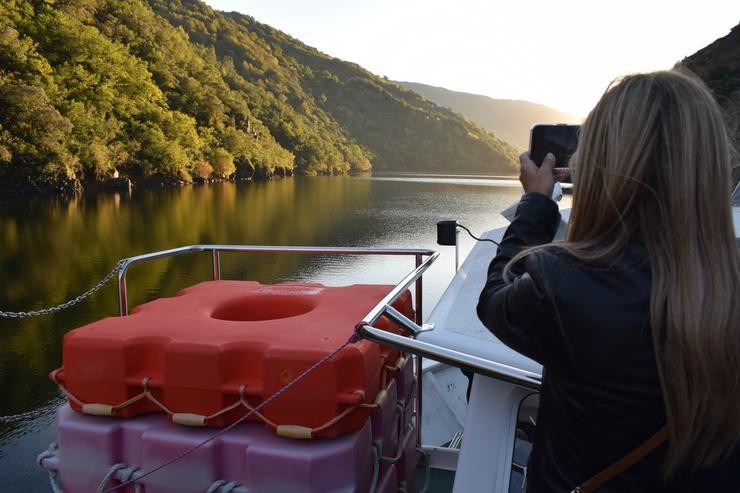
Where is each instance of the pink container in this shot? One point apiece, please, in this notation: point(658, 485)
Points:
point(247, 454)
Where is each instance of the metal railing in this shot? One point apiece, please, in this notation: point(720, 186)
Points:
point(414, 277)
point(422, 349)
point(216, 250)
point(489, 368)
point(365, 327)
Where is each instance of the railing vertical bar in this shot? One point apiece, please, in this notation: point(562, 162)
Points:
point(417, 359)
point(419, 304)
point(122, 297)
point(457, 249)
point(216, 264)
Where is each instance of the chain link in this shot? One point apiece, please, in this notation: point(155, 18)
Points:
point(72, 302)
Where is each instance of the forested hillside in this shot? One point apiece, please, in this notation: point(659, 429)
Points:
point(509, 119)
point(175, 91)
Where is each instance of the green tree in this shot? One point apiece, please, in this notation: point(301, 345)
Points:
point(223, 163)
point(34, 132)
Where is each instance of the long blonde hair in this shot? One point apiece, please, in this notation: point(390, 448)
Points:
point(654, 168)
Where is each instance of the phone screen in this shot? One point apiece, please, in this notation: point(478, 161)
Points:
point(559, 139)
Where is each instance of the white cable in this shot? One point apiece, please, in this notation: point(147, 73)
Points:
point(111, 472)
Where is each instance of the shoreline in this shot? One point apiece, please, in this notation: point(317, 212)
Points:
point(72, 188)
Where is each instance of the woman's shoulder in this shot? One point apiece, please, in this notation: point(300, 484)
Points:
point(548, 269)
point(549, 256)
point(559, 271)
point(548, 262)
point(559, 256)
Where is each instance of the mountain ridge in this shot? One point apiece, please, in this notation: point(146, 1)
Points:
point(176, 92)
point(718, 65)
point(510, 119)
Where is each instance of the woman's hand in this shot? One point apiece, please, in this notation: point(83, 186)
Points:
point(542, 179)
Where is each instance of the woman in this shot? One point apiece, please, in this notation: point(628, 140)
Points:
point(635, 316)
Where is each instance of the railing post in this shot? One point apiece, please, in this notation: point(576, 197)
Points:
point(457, 250)
point(419, 304)
point(216, 264)
point(122, 298)
point(417, 359)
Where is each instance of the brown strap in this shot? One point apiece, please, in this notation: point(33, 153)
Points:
point(624, 463)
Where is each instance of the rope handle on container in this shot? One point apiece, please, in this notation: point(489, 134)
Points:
point(355, 337)
point(192, 419)
point(127, 474)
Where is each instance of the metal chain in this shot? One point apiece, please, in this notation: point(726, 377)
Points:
point(72, 302)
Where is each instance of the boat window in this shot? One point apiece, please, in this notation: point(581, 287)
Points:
point(526, 423)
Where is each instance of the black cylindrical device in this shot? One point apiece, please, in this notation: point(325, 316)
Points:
point(447, 232)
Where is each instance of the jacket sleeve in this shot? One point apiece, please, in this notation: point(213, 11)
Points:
point(519, 313)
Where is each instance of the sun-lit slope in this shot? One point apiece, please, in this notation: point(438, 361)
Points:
point(402, 131)
point(175, 91)
point(93, 88)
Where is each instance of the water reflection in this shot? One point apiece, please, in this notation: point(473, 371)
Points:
point(453, 180)
point(54, 249)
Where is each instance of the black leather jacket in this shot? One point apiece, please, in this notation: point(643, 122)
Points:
point(589, 326)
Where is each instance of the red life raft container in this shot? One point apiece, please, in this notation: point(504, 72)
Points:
point(220, 348)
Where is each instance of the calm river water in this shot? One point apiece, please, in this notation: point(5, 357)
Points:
point(54, 249)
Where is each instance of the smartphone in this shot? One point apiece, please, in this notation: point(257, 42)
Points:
point(561, 139)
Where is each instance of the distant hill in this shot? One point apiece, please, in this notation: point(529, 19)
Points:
point(509, 119)
point(719, 66)
point(174, 91)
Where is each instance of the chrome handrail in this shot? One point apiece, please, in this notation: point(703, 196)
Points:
point(217, 249)
point(489, 368)
point(500, 371)
point(412, 277)
point(421, 349)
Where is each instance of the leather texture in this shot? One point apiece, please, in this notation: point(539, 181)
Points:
point(588, 324)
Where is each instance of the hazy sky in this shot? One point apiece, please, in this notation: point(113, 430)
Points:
point(559, 53)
